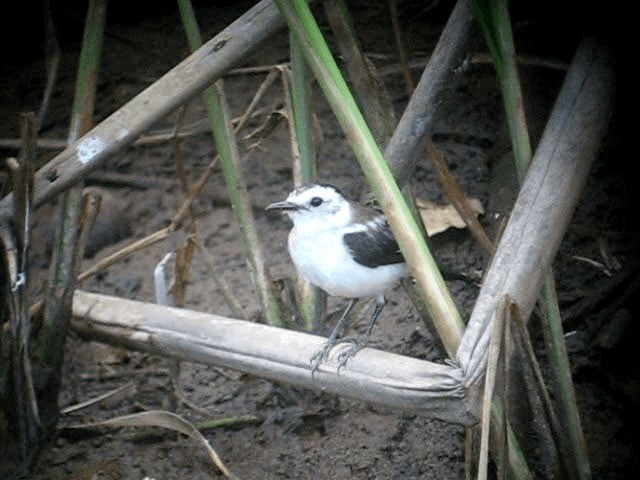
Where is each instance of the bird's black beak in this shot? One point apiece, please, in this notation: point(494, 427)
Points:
point(283, 206)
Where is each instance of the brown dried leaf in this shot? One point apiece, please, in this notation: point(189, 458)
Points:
point(163, 419)
point(438, 218)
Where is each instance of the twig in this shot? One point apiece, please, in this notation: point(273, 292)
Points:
point(404, 64)
point(250, 111)
point(257, 69)
point(228, 422)
point(523, 59)
point(524, 339)
point(25, 416)
point(134, 181)
point(454, 192)
point(181, 171)
point(163, 419)
point(112, 395)
point(53, 61)
point(232, 302)
point(153, 137)
point(495, 353)
point(125, 252)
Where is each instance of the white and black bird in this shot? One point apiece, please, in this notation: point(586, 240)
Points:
point(345, 248)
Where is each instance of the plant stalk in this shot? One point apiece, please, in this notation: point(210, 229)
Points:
point(422, 264)
point(221, 126)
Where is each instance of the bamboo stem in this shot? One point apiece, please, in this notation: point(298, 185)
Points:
point(372, 96)
point(22, 412)
point(440, 303)
point(459, 199)
point(312, 301)
point(66, 259)
point(177, 86)
point(216, 105)
point(496, 23)
point(415, 126)
point(572, 441)
point(279, 354)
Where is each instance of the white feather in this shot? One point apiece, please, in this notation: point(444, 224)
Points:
point(318, 250)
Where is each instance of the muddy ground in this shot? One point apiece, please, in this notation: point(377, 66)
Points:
point(290, 432)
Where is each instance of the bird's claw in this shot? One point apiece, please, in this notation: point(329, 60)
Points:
point(320, 354)
point(357, 344)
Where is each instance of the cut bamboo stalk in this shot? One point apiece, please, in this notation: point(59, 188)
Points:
point(66, 257)
point(279, 354)
point(571, 447)
point(219, 115)
point(572, 441)
point(546, 200)
point(19, 407)
point(312, 301)
point(373, 98)
point(177, 86)
point(409, 236)
point(408, 141)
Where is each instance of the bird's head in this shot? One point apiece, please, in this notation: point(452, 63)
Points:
point(315, 203)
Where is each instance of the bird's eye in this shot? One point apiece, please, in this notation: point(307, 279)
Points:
point(316, 202)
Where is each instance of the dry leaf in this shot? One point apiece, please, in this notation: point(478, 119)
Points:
point(438, 218)
point(163, 419)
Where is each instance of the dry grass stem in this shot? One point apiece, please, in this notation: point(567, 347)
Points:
point(163, 419)
point(456, 195)
point(496, 347)
point(236, 309)
point(127, 390)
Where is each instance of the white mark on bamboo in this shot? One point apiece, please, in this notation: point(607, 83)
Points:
point(89, 148)
point(123, 133)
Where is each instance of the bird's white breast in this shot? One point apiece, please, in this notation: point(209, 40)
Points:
point(320, 255)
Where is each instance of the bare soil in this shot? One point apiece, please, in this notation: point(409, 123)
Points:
point(289, 432)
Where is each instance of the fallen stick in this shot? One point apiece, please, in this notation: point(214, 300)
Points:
point(546, 201)
point(181, 83)
point(279, 354)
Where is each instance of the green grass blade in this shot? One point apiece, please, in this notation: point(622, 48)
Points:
point(439, 301)
point(493, 16)
point(230, 163)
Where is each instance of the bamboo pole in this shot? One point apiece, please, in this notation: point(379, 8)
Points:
point(279, 354)
point(66, 254)
point(215, 102)
point(190, 77)
point(496, 24)
point(546, 200)
point(18, 394)
point(415, 126)
point(312, 301)
point(421, 263)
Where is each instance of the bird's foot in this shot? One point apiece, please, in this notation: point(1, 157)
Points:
point(321, 353)
point(357, 344)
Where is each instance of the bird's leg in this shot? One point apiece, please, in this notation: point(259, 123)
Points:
point(319, 355)
point(360, 342)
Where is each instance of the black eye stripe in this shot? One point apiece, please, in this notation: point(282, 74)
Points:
point(316, 202)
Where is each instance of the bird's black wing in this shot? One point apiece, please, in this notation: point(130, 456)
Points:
point(373, 247)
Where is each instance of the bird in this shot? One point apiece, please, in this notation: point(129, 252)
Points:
point(345, 248)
